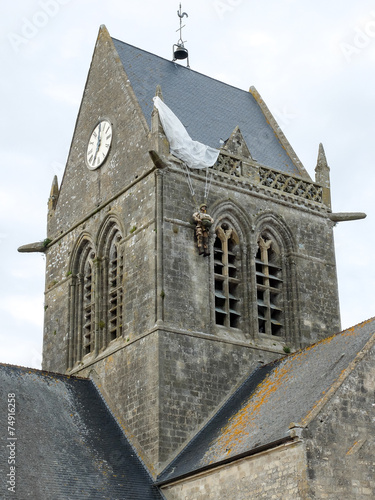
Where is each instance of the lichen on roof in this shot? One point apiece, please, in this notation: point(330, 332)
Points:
point(292, 389)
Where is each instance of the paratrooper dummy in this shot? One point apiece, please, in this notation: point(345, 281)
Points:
point(203, 223)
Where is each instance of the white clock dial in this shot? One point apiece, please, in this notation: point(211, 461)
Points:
point(99, 144)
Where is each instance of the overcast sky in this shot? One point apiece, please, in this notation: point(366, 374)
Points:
point(313, 63)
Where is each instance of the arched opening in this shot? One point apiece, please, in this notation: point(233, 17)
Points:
point(269, 286)
point(114, 286)
point(227, 276)
point(82, 336)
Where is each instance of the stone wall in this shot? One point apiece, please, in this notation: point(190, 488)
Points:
point(138, 232)
point(122, 189)
point(278, 474)
point(197, 374)
point(168, 296)
point(163, 386)
point(172, 365)
point(340, 441)
point(128, 378)
point(306, 233)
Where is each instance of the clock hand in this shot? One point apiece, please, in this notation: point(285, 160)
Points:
point(100, 137)
point(98, 143)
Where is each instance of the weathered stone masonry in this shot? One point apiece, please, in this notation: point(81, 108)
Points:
point(279, 473)
point(173, 364)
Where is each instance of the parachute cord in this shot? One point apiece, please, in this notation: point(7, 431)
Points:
point(190, 184)
point(207, 184)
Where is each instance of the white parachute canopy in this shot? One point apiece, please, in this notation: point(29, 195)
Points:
point(193, 153)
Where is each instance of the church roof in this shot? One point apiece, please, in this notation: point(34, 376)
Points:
point(67, 443)
point(275, 398)
point(209, 109)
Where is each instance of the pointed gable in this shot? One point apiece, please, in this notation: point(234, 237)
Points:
point(107, 97)
point(236, 144)
point(208, 108)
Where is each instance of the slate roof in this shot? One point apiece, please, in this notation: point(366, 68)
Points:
point(274, 396)
point(68, 447)
point(209, 109)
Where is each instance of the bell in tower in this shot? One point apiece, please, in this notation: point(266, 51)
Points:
point(180, 52)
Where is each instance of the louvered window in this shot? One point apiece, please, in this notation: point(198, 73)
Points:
point(227, 277)
point(269, 288)
point(88, 330)
point(115, 277)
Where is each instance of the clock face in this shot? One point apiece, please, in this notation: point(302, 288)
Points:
point(99, 144)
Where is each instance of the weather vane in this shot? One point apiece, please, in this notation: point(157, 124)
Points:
point(179, 51)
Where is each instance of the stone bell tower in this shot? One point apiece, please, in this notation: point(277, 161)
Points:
point(168, 334)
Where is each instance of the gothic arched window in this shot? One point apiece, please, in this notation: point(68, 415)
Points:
point(96, 295)
point(227, 277)
point(269, 285)
point(114, 286)
point(88, 332)
point(83, 302)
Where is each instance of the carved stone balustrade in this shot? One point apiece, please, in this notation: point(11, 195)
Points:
point(263, 176)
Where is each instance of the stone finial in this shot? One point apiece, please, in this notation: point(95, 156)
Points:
point(322, 175)
point(52, 200)
point(236, 144)
point(160, 141)
point(158, 92)
point(155, 121)
point(322, 160)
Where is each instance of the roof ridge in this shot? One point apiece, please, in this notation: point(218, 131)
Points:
point(364, 322)
point(280, 134)
point(337, 383)
point(331, 337)
point(44, 372)
point(121, 428)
